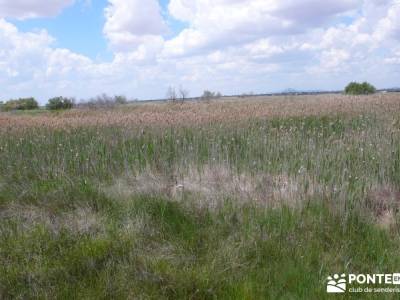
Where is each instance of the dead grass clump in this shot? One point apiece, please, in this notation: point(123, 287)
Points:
point(82, 220)
point(145, 183)
point(211, 185)
point(384, 204)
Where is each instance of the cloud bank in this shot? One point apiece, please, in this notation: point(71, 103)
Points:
point(25, 9)
point(229, 45)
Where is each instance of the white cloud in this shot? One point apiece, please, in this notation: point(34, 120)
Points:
point(389, 26)
point(218, 23)
point(334, 59)
point(30, 65)
point(394, 57)
point(18, 50)
point(131, 23)
point(229, 45)
point(24, 9)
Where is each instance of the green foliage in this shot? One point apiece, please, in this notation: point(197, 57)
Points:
point(20, 104)
point(355, 88)
point(59, 103)
point(208, 95)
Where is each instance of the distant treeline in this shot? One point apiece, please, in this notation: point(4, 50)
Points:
point(63, 103)
point(105, 101)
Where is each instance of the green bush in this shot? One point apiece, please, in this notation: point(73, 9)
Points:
point(355, 88)
point(20, 104)
point(59, 103)
point(208, 95)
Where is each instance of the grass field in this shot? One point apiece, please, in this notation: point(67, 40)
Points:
point(237, 199)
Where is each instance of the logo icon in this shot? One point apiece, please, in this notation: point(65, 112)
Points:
point(336, 284)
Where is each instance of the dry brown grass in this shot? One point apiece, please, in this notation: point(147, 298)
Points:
point(192, 113)
point(383, 202)
point(211, 185)
point(82, 220)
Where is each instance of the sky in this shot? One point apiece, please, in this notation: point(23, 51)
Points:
point(136, 48)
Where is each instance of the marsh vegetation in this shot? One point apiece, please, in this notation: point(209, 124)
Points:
point(233, 199)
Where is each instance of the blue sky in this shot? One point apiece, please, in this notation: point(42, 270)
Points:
point(139, 48)
point(80, 28)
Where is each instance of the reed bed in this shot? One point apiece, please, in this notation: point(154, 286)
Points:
point(202, 113)
point(239, 199)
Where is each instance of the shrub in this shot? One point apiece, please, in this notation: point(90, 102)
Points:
point(120, 100)
point(104, 101)
point(208, 95)
point(245, 95)
point(20, 104)
point(58, 103)
point(355, 88)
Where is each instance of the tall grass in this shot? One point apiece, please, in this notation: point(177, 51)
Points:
point(63, 234)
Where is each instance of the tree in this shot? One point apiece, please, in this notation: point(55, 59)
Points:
point(120, 100)
point(208, 95)
point(59, 103)
point(355, 88)
point(171, 94)
point(183, 94)
point(21, 104)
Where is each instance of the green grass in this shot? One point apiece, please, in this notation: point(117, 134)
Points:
point(185, 253)
point(30, 112)
point(150, 246)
